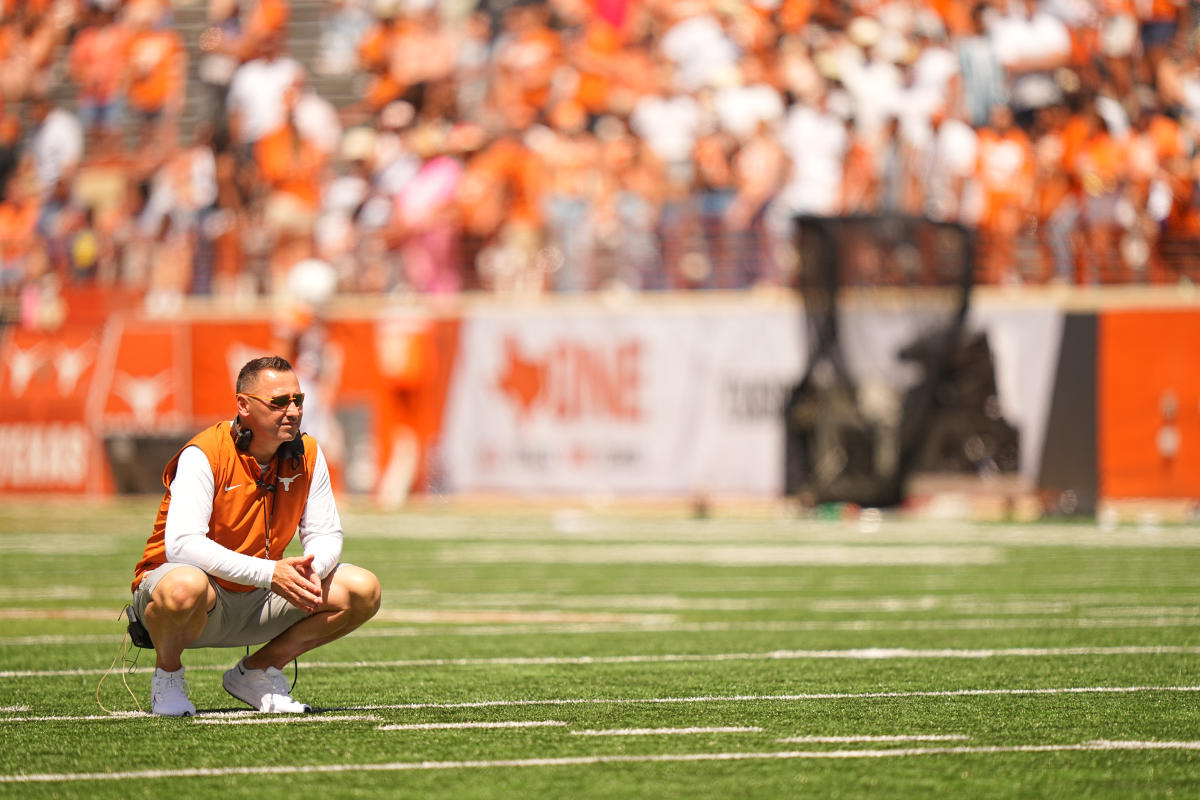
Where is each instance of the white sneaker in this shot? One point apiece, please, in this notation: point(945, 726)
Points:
point(168, 694)
point(263, 689)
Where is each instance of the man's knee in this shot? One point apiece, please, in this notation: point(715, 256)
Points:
point(357, 589)
point(181, 590)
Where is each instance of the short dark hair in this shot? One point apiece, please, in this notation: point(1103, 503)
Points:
point(249, 372)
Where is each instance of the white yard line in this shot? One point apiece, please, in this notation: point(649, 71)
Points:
point(467, 616)
point(53, 639)
point(26, 594)
point(97, 614)
point(918, 737)
point(657, 626)
point(654, 626)
point(854, 654)
point(449, 726)
point(601, 701)
point(577, 761)
point(78, 544)
point(286, 720)
point(664, 731)
point(116, 716)
point(757, 698)
point(726, 555)
point(764, 531)
point(606, 528)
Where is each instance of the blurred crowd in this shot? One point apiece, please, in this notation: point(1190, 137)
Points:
point(570, 145)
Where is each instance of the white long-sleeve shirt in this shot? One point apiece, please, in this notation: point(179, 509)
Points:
point(186, 535)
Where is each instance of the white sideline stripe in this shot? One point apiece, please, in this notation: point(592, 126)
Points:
point(652, 626)
point(867, 654)
point(626, 701)
point(609, 529)
point(725, 555)
point(496, 616)
point(13, 709)
point(41, 640)
point(664, 731)
point(757, 698)
point(933, 737)
point(27, 594)
point(576, 761)
point(95, 614)
point(113, 717)
point(286, 720)
point(447, 726)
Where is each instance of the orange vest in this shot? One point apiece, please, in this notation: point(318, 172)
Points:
point(243, 508)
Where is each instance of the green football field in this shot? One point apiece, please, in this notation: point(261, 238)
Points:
point(579, 653)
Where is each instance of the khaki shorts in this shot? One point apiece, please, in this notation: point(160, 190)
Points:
point(238, 619)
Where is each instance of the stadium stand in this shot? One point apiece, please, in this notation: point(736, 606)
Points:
point(574, 145)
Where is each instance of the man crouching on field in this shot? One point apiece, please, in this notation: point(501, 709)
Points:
point(213, 573)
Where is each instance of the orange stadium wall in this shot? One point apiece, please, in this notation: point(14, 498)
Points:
point(97, 407)
point(1148, 398)
point(48, 412)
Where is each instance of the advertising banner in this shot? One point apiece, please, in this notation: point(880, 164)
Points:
point(641, 401)
point(217, 350)
point(45, 431)
point(145, 380)
point(684, 400)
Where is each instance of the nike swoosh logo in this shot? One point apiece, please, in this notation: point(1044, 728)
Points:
point(231, 488)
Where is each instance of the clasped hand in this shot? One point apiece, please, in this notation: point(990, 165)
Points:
point(296, 581)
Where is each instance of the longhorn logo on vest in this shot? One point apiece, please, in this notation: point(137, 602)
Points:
point(287, 482)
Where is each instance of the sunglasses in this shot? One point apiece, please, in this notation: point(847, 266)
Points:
point(280, 401)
